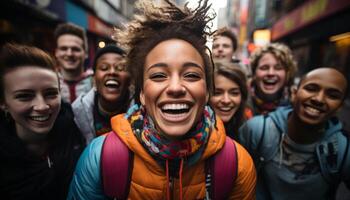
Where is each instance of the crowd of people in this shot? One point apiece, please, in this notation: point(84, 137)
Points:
point(161, 117)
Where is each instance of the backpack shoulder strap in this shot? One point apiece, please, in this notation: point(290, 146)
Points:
point(332, 156)
point(116, 167)
point(342, 160)
point(223, 168)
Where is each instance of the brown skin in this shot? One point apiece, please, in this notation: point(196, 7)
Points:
point(109, 71)
point(318, 97)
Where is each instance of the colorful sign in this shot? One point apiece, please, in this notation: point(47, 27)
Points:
point(308, 13)
point(79, 16)
point(97, 26)
point(262, 37)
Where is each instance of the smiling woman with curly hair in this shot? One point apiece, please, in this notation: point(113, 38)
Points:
point(273, 68)
point(171, 131)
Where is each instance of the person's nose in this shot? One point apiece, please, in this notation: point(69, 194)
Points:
point(319, 98)
point(271, 71)
point(40, 104)
point(175, 87)
point(220, 48)
point(226, 98)
point(112, 70)
point(69, 52)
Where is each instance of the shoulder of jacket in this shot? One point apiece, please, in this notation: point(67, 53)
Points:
point(257, 124)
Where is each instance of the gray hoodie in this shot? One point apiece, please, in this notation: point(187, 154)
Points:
point(287, 170)
point(83, 108)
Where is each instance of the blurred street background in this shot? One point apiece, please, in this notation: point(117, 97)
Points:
point(317, 31)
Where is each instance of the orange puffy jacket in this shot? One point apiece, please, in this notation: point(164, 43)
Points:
point(149, 180)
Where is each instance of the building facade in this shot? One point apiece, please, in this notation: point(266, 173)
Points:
point(33, 22)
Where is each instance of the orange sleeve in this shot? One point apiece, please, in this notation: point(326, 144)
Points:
point(244, 187)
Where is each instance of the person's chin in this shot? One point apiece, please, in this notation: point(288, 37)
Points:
point(175, 132)
point(111, 98)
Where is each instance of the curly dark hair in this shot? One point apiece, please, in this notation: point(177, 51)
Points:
point(158, 23)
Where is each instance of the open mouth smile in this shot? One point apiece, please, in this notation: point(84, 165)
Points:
point(112, 84)
point(270, 81)
point(225, 109)
point(313, 111)
point(41, 118)
point(175, 112)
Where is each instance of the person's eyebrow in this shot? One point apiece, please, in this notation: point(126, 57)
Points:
point(335, 90)
point(22, 90)
point(187, 64)
point(157, 65)
point(192, 64)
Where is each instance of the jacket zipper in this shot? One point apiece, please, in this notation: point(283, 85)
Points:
point(49, 162)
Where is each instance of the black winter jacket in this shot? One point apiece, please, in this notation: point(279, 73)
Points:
point(24, 176)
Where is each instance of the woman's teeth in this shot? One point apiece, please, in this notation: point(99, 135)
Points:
point(112, 83)
point(40, 118)
point(175, 108)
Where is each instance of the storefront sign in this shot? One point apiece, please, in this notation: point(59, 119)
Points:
point(97, 26)
point(308, 13)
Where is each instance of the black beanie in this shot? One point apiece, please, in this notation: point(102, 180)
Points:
point(110, 48)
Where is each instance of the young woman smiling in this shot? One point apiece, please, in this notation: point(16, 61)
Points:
point(230, 96)
point(171, 130)
point(39, 143)
point(273, 68)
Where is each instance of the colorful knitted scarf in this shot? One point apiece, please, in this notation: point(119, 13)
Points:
point(161, 148)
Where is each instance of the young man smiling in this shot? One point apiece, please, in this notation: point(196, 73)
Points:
point(224, 45)
point(273, 70)
point(301, 152)
point(70, 53)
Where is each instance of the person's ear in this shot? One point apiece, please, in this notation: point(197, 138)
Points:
point(142, 98)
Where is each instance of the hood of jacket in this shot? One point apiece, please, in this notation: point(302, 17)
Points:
point(46, 176)
point(10, 145)
point(280, 118)
point(83, 109)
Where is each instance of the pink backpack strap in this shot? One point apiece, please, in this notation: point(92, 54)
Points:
point(116, 166)
point(223, 168)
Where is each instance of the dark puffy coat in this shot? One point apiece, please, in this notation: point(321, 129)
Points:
point(24, 176)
